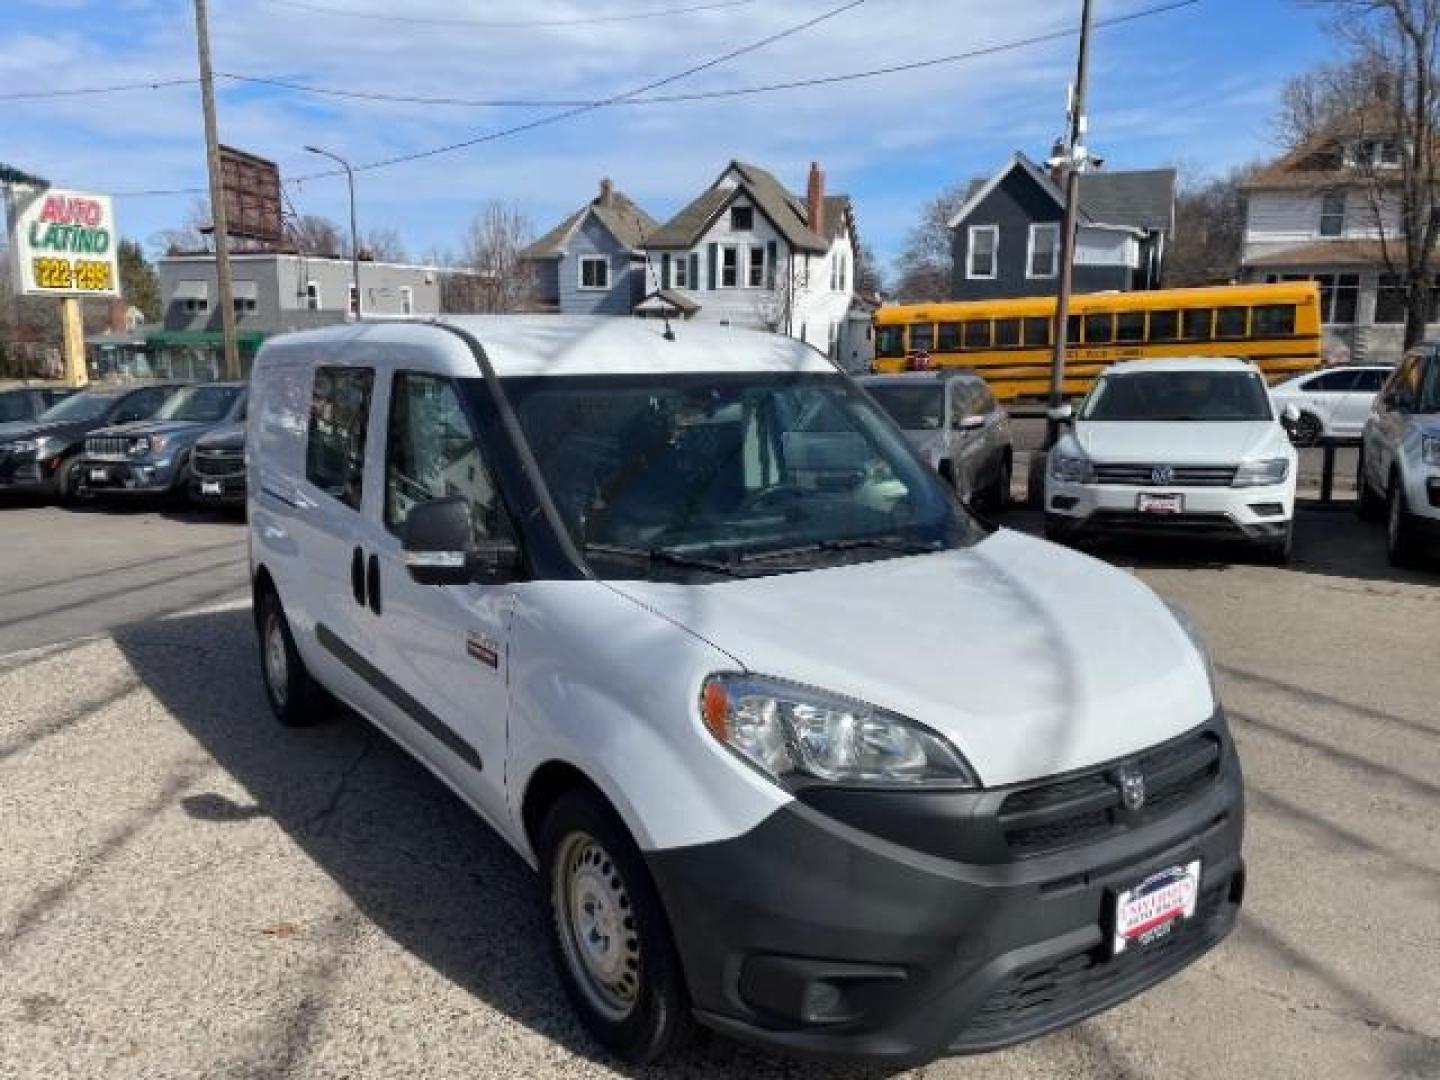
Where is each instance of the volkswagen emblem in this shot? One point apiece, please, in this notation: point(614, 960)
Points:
point(1162, 474)
point(1132, 787)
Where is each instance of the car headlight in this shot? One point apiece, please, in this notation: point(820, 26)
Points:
point(148, 444)
point(1192, 631)
point(796, 733)
point(26, 446)
point(1071, 468)
point(1430, 449)
point(1262, 473)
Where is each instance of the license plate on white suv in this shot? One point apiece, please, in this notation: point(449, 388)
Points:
point(1152, 503)
point(1155, 908)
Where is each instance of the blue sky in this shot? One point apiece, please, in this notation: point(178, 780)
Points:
point(1196, 86)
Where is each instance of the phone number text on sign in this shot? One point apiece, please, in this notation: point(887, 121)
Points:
point(66, 274)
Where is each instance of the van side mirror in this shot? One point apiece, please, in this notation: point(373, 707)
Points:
point(1291, 414)
point(440, 548)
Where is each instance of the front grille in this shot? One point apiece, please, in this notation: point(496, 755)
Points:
point(1183, 475)
point(1057, 991)
point(1081, 809)
point(218, 462)
point(116, 447)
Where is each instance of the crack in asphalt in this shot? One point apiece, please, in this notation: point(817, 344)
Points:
point(1374, 1023)
point(318, 820)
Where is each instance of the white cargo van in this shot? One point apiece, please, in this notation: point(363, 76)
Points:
point(800, 750)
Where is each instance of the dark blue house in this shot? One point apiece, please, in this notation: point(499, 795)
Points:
point(1006, 235)
point(593, 262)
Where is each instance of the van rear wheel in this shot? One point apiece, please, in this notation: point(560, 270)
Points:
point(295, 698)
point(611, 939)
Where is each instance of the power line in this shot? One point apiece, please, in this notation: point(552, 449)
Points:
point(512, 24)
point(555, 118)
point(153, 84)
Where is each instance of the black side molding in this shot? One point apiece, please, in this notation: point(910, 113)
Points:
point(437, 728)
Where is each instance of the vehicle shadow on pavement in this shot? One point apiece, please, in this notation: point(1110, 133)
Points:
point(413, 859)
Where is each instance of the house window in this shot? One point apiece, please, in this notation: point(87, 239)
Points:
point(984, 244)
point(1332, 214)
point(742, 218)
point(594, 272)
point(312, 296)
point(245, 303)
point(682, 272)
point(755, 276)
point(729, 266)
point(197, 303)
point(407, 300)
point(1044, 260)
point(354, 302)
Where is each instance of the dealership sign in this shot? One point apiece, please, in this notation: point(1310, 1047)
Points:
point(63, 243)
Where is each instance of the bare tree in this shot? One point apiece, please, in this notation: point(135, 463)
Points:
point(313, 234)
point(191, 235)
point(1209, 229)
point(928, 256)
point(869, 278)
point(382, 244)
point(775, 306)
point(501, 280)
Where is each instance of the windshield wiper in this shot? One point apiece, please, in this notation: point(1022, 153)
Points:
point(897, 544)
point(663, 555)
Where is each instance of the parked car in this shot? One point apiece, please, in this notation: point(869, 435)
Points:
point(1399, 472)
point(1176, 445)
point(955, 424)
point(19, 403)
point(217, 467)
point(799, 748)
point(1332, 404)
point(153, 457)
point(42, 456)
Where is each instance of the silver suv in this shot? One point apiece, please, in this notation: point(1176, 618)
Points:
point(1399, 474)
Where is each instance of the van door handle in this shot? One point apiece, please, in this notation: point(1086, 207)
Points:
point(357, 576)
point(372, 584)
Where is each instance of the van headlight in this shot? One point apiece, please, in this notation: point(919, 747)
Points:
point(1071, 467)
point(793, 732)
point(1262, 473)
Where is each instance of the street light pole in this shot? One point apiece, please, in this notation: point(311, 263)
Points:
point(217, 195)
point(354, 235)
point(1075, 158)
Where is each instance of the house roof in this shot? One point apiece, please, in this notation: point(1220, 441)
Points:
point(1329, 253)
point(616, 212)
point(785, 211)
point(1319, 162)
point(1133, 199)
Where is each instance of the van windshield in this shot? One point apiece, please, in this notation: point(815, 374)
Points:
point(1216, 396)
point(752, 473)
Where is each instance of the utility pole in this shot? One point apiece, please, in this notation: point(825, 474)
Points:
point(217, 194)
point(1075, 159)
point(354, 234)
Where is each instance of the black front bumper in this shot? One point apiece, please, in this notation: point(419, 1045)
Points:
point(122, 478)
point(824, 939)
point(1201, 526)
point(231, 489)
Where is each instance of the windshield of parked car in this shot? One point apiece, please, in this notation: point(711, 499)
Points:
point(914, 408)
point(203, 404)
point(749, 473)
point(78, 408)
point(1179, 395)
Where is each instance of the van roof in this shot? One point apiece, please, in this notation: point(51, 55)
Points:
point(522, 345)
point(1179, 364)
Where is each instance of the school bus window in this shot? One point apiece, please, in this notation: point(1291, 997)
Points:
point(1099, 329)
point(1196, 323)
point(1037, 331)
point(1130, 326)
point(977, 334)
point(922, 337)
point(1007, 333)
point(948, 337)
point(1072, 329)
point(889, 341)
point(1164, 325)
point(1230, 322)
point(1272, 320)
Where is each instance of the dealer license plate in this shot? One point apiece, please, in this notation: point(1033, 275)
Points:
point(1155, 908)
point(99, 475)
point(1160, 504)
point(209, 487)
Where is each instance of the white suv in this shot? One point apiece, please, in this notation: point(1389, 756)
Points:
point(799, 748)
point(1399, 473)
point(1190, 446)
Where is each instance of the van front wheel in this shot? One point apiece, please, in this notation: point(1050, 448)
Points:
point(295, 698)
point(609, 933)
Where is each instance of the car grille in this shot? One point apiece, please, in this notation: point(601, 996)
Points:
point(108, 446)
point(1080, 809)
point(217, 462)
point(1041, 997)
point(1183, 475)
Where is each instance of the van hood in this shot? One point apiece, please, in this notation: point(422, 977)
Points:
point(1184, 442)
point(1031, 658)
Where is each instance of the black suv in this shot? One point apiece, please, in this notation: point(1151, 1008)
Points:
point(217, 467)
point(42, 456)
point(19, 403)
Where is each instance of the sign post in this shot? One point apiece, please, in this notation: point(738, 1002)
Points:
point(64, 244)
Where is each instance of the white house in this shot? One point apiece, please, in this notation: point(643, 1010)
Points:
point(749, 253)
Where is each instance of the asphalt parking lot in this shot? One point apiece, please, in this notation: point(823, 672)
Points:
point(188, 890)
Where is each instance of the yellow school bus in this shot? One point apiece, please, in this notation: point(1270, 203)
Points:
point(1008, 341)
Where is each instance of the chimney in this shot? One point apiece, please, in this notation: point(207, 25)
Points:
point(815, 200)
point(607, 193)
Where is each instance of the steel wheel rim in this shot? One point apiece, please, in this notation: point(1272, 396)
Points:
point(596, 923)
point(277, 663)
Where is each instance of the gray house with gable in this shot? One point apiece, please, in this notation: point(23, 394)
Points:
point(593, 262)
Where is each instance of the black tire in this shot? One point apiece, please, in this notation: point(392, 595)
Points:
point(1368, 504)
point(1306, 431)
point(633, 1001)
point(66, 483)
point(1280, 551)
point(1058, 529)
point(295, 698)
point(998, 497)
point(1402, 546)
